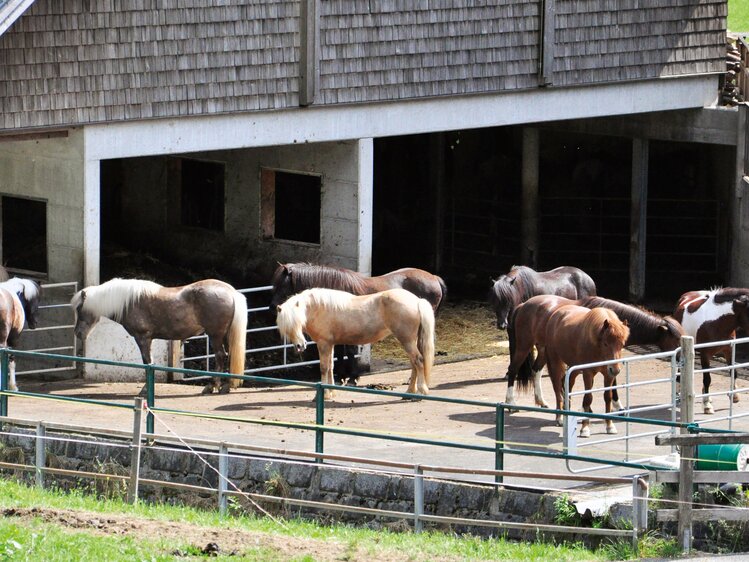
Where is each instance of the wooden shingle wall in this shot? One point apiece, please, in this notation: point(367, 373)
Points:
point(80, 61)
point(611, 40)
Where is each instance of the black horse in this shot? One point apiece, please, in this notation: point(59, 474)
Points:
point(522, 283)
point(292, 278)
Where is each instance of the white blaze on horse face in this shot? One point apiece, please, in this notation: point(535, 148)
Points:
point(707, 312)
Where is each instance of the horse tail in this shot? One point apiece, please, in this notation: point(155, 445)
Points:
point(237, 337)
point(443, 287)
point(425, 342)
point(524, 376)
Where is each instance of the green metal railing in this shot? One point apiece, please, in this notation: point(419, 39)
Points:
point(499, 449)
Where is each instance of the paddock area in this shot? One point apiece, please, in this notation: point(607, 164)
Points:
point(470, 425)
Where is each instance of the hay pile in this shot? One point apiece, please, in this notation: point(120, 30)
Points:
point(465, 330)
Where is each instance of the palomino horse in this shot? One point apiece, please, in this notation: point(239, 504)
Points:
point(527, 328)
point(713, 316)
point(336, 317)
point(292, 278)
point(522, 283)
point(149, 311)
point(12, 318)
point(576, 335)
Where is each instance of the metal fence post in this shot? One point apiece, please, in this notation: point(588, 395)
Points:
point(223, 475)
point(319, 420)
point(150, 396)
point(4, 363)
point(499, 436)
point(686, 467)
point(40, 454)
point(132, 489)
point(418, 498)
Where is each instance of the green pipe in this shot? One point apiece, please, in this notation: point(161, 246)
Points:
point(499, 434)
point(4, 365)
point(320, 420)
point(150, 396)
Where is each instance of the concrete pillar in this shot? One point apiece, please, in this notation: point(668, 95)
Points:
point(638, 219)
point(529, 203)
point(365, 199)
point(739, 271)
point(91, 222)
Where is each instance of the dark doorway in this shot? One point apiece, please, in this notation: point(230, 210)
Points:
point(24, 234)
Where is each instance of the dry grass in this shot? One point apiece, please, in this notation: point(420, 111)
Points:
point(464, 330)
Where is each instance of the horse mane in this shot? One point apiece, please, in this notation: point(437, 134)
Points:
point(112, 299)
point(29, 288)
point(595, 318)
point(726, 294)
point(308, 275)
point(294, 311)
point(639, 319)
point(516, 292)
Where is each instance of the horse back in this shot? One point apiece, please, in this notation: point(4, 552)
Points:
point(421, 283)
point(531, 317)
point(708, 315)
point(572, 334)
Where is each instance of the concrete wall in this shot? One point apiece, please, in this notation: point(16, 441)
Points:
point(346, 210)
point(51, 169)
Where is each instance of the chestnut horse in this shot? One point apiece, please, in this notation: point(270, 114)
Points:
point(527, 328)
point(149, 311)
point(713, 316)
point(522, 283)
point(333, 317)
point(292, 278)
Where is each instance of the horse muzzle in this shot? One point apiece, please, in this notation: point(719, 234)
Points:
point(614, 370)
point(502, 325)
point(300, 347)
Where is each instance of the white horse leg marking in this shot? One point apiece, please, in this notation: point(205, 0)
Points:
point(12, 367)
point(538, 391)
point(707, 405)
point(585, 429)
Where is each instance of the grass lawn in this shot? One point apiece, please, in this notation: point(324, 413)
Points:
point(55, 526)
point(738, 16)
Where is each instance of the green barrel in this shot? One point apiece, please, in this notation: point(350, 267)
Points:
point(722, 457)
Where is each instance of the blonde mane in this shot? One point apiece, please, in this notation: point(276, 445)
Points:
point(294, 311)
point(618, 329)
point(112, 299)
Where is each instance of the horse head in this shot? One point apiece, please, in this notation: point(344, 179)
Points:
point(32, 295)
point(669, 334)
point(741, 310)
point(84, 319)
point(282, 285)
point(612, 336)
point(503, 298)
point(291, 319)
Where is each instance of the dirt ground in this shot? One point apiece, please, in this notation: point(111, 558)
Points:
point(208, 540)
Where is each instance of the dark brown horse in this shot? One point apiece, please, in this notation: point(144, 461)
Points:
point(713, 316)
point(149, 311)
point(576, 335)
point(527, 328)
point(292, 278)
point(522, 283)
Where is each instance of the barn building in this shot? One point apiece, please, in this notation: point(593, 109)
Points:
point(454, 135)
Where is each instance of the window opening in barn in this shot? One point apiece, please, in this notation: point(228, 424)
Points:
point(202, 194)
point(291, 206)
point(24, 234)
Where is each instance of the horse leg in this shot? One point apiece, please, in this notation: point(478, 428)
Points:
point(417, 384)
point(352, 365)
point(224, 384)
point(556, 373)
point(144, 345)
point(615, 404)
point(12, 373)
point(326, 367)
point(707, 403)
point(727, 355)
point(587, 401)
point(538, 365)
point(607, 398)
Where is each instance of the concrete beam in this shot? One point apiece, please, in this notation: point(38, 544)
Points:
point(375, 120)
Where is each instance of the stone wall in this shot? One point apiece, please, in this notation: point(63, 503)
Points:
point(336, 485)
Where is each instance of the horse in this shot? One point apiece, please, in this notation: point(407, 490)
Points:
point(29, 293)
point(292, 278)
point(576, 335)
point(527, 328)
point(713, 315)
point(522, 283)
point(12, 318)
point(149, 311)
point(333, 317)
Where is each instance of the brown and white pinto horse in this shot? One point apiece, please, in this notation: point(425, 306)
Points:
point(527, 328)
point(576, 335)
point(713, 316)
point(12, 318)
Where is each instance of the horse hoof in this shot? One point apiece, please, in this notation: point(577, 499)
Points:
point(708, 409)
point(224, 390)
point(542, 404)
point(736, 398)
point(585, 432)
point(560, 423)
point(207, 389)
point(611, 430)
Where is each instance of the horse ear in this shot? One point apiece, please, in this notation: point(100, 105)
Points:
point(278, 308)
point(605, 325)
point(512, 280)
point(83, 296)
point(662, 328)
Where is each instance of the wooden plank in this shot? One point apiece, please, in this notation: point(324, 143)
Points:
point(703, 477)
point(717, 514)
point(702, 439)
point(548, 45)
point(309, 52)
